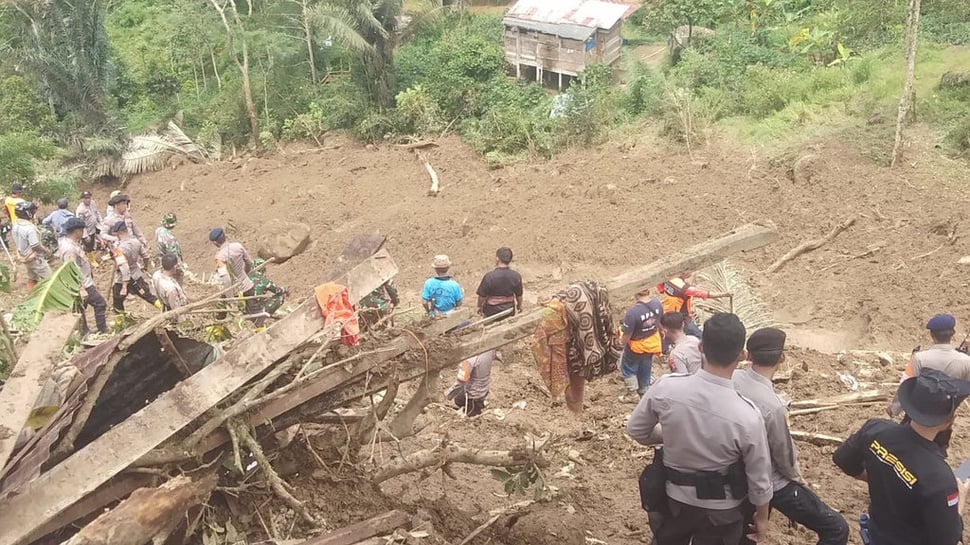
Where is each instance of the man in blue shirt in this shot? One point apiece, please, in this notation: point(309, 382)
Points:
point(58, 217)
point(441, 293)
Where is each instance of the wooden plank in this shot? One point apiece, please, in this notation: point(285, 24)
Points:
point(348, 535)
point(87, 469)
point(29, 376)
point(117, 488)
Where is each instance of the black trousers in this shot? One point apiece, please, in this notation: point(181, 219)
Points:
point(690, 525)
point(100, 306)
point(473, 407)
point(137, 287)
point(89, 242)
point(802, 506)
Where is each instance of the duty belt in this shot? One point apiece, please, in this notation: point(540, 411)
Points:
point(710, 484)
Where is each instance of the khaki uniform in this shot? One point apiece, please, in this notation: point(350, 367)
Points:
point(68, 250)
point(794, 499)
point(168, 291)
point(133, 230)
point(707, 426)
point(942, 357)
point(90, 216)
point(784, 455)
point(237, 262)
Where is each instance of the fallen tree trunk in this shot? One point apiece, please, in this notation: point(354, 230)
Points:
point(86, 470)
point(29, 375)
point(810, 245)
point(147, 513)
point(448, 453)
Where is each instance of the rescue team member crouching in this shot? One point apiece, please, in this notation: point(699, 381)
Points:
point(129, 277)
point(792, 496)
point(913, 495)
point(69, 248)
point(641, 342)
point(501, 288)
point(715, 450)
point(471, 387)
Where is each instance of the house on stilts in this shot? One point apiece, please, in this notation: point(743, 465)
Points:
point(547, 39)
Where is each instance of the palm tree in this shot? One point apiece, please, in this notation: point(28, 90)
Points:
point(369, 28)
point(366, 28)
point(63, 43)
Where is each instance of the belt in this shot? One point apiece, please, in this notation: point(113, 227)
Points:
point(681, 478)
point(499, 300)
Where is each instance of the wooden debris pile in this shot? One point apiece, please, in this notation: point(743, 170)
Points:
point(161, 444)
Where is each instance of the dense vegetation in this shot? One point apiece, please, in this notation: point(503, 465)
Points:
point(76, 78)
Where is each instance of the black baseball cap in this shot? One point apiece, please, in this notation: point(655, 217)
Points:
point(118, 198)
point(931, 398)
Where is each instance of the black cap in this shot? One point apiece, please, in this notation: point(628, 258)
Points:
point(62, 203)
point(118, 198)
point(85, 194)
point(766, 344)
point(118, 226)
point(17, 188)
point(72, 224)
point(932, 397)
point(216, 234)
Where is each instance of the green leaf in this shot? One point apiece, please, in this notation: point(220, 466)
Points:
point(500, 475)
point(58, 292)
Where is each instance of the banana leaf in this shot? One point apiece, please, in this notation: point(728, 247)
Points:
point(4, 278)
point(60, 291)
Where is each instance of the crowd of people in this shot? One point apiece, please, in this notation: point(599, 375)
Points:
point(89, 238)
point(727, 457)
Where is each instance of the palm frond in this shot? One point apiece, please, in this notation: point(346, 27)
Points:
point(59, 291)
point(721, 277)
point(339, 23)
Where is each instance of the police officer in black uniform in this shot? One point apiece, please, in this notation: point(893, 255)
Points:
point(914, 496)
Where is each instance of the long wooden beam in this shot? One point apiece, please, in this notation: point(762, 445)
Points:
point(29, 375)
point(82, 473)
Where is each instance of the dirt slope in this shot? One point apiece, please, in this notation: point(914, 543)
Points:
point(592, 213)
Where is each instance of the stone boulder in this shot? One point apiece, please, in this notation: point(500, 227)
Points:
point(282, 240)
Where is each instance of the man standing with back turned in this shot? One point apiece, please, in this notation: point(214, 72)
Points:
point(501, 288)
point(715, 448)
point(795, 500)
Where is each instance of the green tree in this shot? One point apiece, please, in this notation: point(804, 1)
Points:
point(64, 45)
point(368, 28)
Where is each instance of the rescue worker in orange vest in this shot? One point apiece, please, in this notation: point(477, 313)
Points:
point(677, 295)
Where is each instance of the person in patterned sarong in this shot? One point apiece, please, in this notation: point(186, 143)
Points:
point(576, 341)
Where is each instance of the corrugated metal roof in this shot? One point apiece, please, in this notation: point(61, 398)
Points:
point(573, 32)
point(587, 13)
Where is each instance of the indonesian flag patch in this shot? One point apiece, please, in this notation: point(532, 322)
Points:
point(953, 499)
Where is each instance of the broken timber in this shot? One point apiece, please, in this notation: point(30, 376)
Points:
point(335, 386)
point(379, 525)
point(29, 376)
point(82, 473)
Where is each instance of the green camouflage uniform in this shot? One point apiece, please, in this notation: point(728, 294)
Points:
point(378, 304)
point(263, 285)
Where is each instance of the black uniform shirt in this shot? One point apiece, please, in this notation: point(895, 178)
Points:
point(912, 491)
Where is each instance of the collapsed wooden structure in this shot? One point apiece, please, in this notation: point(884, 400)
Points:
point(95, 449)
